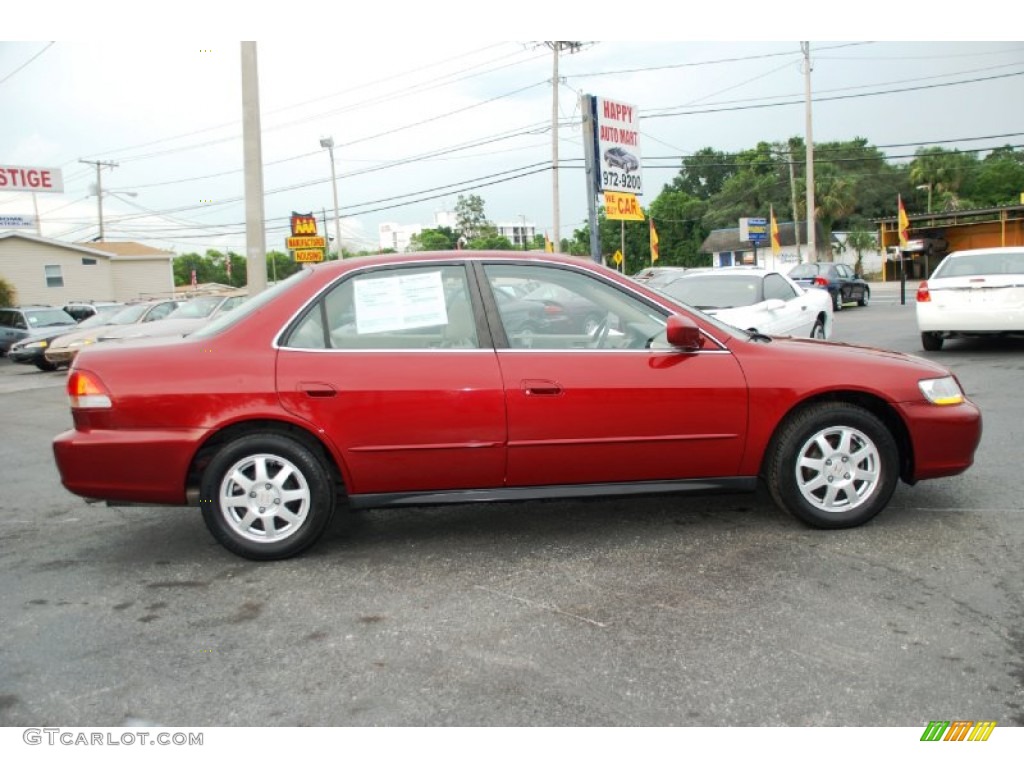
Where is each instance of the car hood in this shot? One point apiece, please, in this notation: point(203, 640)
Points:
point(843, 354)
point(44, 333)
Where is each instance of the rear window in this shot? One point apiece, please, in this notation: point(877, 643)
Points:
point(804, 270)
point(1005, 263)
point(41, 318)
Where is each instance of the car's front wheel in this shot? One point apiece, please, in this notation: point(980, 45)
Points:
point(837, 301)
point(266, 496)
point(832, 465)
point(818, 331)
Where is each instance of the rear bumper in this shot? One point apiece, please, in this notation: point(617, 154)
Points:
point(943, 438)
point(969, 318)
point(141, 466)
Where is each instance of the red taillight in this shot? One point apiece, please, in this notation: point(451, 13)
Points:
point(922, 292)
point(553, 309)
point(820, 281)
point(85, 390)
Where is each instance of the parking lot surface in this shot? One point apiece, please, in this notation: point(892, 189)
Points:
point(707, 610)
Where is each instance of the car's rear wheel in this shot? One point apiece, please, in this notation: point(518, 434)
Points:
point(832, 465)
point(818, 331)
point(266, 496)
point(931, 341)
point(865, 298)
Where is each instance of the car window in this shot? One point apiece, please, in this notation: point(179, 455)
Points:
point(160, 311)
point(571, 310)
point(1008, 263)
point(42, 318)
point(806, 269)
point(711, 291)
point(196, 308)
point(777, 287)
point(421, 307)
point(844, 271)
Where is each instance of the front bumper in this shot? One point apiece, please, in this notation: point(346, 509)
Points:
point(943, 438)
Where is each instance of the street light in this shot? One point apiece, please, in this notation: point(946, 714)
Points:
point(927, 186)
point(328, 144)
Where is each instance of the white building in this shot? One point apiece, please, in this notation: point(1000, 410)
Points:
point(52, 272)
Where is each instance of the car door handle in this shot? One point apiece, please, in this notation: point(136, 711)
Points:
point(317, 389)
point(541, 387)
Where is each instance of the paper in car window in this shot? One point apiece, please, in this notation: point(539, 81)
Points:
point(400, 303)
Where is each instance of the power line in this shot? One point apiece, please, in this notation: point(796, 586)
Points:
point(36, 56)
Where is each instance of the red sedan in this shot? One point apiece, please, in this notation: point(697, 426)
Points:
point(396, 380)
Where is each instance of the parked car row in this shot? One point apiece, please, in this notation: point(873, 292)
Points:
point(50, 338)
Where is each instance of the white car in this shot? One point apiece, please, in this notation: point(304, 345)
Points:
point(972, 293)
point(756, 299)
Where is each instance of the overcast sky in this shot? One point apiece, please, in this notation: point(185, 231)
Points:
point(424, 108)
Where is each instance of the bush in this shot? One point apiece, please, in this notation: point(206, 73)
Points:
point(8, 296)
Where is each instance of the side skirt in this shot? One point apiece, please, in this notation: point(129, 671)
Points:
point(422, 498)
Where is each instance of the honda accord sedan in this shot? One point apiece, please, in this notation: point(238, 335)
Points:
point(392, 380)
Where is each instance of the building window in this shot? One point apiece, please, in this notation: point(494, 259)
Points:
point(86, 261)
point(54, 278)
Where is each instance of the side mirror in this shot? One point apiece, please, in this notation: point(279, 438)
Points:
point(681, 332)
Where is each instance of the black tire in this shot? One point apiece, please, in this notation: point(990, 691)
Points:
point(862, 455)
point(818, 331)
point(44, 365)
point(290, 469)
point(931, 341)
point(837, 301)
point(865, 298)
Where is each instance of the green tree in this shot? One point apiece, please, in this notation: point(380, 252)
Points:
point(999, 179)
point(470, 217)
point(489, 240)
point(861, 240)
point(440, 239)
point(8, 296)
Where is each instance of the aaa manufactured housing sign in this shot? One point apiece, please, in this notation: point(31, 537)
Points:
point(298, 243)
point(309, 255)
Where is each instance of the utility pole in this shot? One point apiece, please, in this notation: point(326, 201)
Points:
point(556, 46)
point(255, 235)
point(99, 186)
point(812, 245)
point(796, 215)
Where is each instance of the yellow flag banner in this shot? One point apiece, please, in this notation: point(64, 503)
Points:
point(548, 245)
point(904, 225)
point(776, 241)
point(654, 242)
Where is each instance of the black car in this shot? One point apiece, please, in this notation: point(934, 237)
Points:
point(16, 323)
point(842, 283)
point(31, 350)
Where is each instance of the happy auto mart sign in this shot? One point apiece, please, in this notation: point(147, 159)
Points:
point(618, 146)
point(20, 178)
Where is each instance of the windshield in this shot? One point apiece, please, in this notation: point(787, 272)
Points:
point(716, 291)
point(128, 315)
point(41, 318)
point(102, 317)
point(196, 308)
point(246, 308)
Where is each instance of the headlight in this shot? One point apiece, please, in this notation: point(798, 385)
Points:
point(35, 345)
point(944, 391)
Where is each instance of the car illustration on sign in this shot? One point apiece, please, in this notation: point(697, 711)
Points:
point(617, 157)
